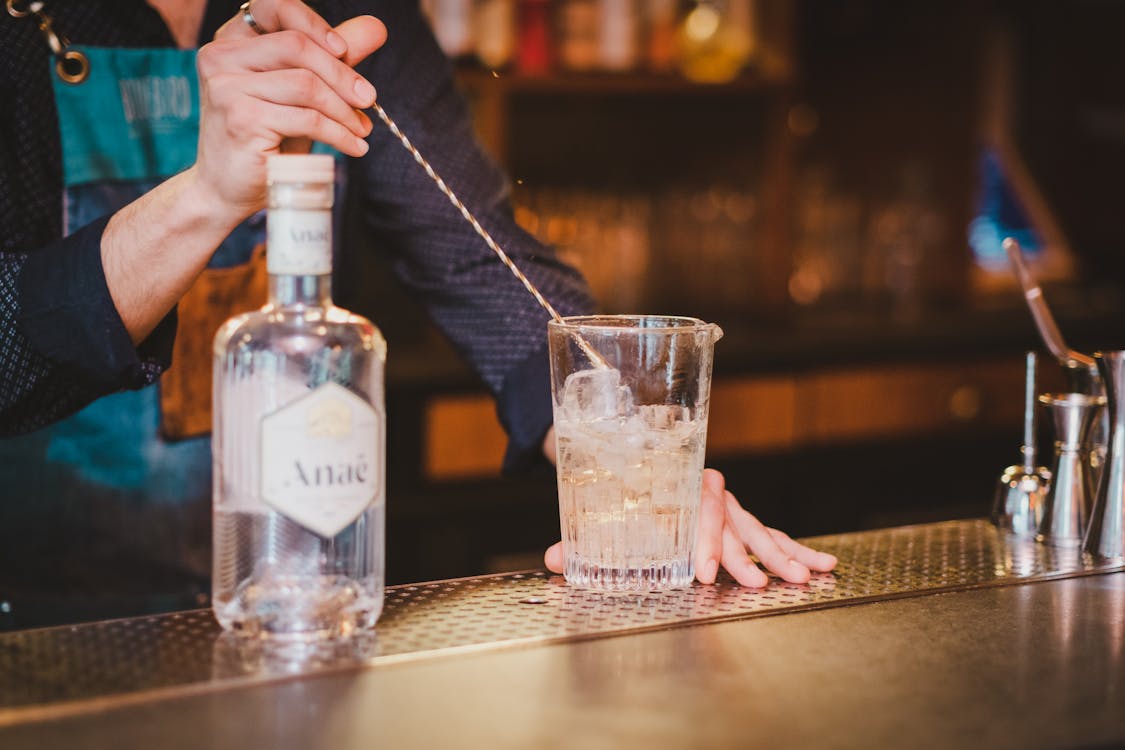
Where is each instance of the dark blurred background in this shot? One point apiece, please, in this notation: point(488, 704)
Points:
point(836, 205)
point(828, 181)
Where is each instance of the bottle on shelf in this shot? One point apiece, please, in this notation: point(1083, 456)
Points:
point(298, 438)
point(577, 35)
point(534, 54)
point(452, 22)
point(494, 32)
point(619, 35)
point(716, 40)
point(661, 18)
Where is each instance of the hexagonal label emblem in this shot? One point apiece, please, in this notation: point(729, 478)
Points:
point(321, 460)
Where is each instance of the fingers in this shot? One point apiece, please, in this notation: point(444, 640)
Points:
point(278, 15)
point(709, 543)
point(302, 122)
point(285, 50)
point(264, 93)
point(299, 39)
point(363, 35)
point(300, 88)
point(814, 560)
point(738, 563)
point(260, 109)
point(553, 558)
point(758, 538)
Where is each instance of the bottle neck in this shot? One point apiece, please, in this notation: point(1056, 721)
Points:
point(299, 242)
point(300, 291)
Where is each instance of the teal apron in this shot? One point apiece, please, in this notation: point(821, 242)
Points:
point(102, 486)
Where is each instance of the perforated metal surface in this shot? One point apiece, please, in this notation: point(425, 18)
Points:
point(55, 671)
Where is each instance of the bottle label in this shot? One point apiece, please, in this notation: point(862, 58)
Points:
point(320, 462)
point(299, 242)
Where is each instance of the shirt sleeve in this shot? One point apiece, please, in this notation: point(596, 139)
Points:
point(62, 343)
point(490, 318)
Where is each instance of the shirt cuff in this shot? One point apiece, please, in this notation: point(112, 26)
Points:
point(525, 408)
point(68, 316)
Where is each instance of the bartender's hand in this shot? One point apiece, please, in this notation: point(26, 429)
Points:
point(728, 535)
point(727, 532)
point(260, 94)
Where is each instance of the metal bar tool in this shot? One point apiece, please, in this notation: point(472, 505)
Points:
point(1105, 537)
point(596, 359)
point(1080, 369)
point(1069, 499)
point(1021, 494)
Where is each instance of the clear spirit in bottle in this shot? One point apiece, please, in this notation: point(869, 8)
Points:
point(298, 440)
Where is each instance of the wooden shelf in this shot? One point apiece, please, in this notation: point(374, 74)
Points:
point(483, 82)
point(753, 415)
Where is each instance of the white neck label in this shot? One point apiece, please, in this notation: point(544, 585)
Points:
point(299, 242)
point(320, 462)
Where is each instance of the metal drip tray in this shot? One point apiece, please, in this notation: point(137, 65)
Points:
point(56, 671)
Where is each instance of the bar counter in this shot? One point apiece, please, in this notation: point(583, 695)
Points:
point(939, 635)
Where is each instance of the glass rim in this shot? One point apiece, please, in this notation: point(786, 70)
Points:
point(618, 322)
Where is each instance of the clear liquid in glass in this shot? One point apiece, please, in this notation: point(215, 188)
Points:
point(629, 502)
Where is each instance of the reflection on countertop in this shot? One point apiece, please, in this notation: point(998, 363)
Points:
point(942, 651)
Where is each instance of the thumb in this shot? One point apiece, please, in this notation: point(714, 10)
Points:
point(363, 35)
point(553, 558)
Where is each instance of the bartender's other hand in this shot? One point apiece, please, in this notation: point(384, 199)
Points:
point(728, 534)
point(265, 94)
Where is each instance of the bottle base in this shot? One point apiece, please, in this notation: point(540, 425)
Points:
point(299, 608)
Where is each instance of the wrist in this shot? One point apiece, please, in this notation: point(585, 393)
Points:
point(201, 207)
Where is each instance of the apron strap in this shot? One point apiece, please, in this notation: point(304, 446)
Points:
point(70, 65)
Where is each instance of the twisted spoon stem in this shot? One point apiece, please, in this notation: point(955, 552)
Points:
point(595, 358)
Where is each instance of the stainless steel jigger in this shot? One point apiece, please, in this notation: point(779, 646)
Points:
point(1105, 537)
point(1021, 495)
point(1068, 502)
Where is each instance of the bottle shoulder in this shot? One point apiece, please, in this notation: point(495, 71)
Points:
point(328, 326)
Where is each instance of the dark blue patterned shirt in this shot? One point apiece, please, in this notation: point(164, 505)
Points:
point(62, 343)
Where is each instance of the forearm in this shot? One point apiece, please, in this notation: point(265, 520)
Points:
point(63, 345)
point(29, 377)
point(89, 315)
point(154, 248)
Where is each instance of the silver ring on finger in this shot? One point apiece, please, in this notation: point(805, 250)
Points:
point(248, 17)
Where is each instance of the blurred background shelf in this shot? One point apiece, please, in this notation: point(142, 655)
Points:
point(826, 204)
point(827, 181)
point(479, 83)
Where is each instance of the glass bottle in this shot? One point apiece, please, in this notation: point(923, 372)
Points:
point(715, 40)
point(494, 32)
point(452, 23)
point(534, 55)
point(576, 27)
point(618, 35)
point(298, 439)
point(661, 17)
